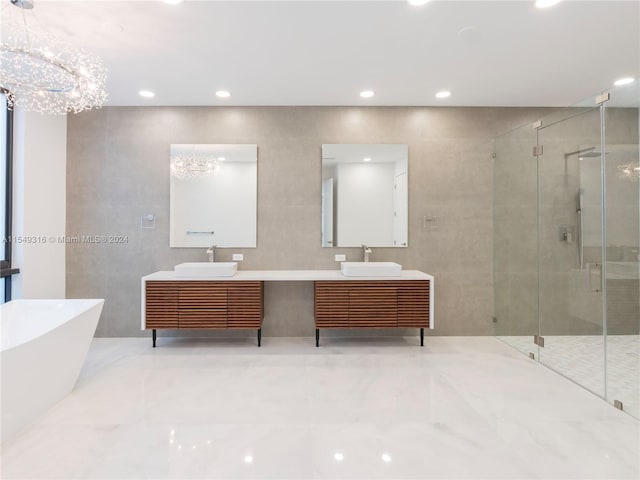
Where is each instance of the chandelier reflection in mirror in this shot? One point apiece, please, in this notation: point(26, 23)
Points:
point(194, 164)
point(630, 171)
point(41, 73)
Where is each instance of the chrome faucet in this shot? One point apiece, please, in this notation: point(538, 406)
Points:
point(211, 251)
point(365, 252)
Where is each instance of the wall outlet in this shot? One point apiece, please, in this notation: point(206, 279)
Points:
point(238, 257)
point(341, 258)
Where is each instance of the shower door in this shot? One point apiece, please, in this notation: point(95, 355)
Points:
point(515, 239)
point(622, 235)
point(570, 239)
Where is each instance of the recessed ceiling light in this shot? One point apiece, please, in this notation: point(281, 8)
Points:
point(366, 159)
point(147, 93)
point(443, 94)
point(418, 3)
point(172, 2)
point(386, 457)
point(339, 457)
point(367, 93)
point(248, 459)
point(546, 3)
point(223, 94)
point(623, 81)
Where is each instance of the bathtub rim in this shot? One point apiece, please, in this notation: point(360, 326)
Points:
point(91, 303)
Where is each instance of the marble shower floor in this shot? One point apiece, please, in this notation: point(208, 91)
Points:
point(461, 407)
point(580, 358)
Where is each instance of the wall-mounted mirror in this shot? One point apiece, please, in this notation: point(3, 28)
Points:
point(213, 195)
point(364, 195)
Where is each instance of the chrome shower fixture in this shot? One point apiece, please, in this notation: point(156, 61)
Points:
point(590, 152)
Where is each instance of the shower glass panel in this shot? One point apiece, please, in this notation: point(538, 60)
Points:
point(570, 247)
point(515, 239)
point(622, 199)
point(567, 243)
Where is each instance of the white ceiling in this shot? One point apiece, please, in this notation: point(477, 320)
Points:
point(488, 53)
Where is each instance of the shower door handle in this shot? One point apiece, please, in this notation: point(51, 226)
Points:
point(590, 271)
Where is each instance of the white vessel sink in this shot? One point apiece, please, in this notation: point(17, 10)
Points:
point(370, 269)
point(206, 269)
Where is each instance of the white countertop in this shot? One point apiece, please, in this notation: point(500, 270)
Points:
point(288, 276)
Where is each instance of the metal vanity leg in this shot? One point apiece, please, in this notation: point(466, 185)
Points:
point(259, 336)
point(422, 337)
point(317, 337)
point(154, 338)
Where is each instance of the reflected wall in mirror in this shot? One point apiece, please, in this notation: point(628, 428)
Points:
point(364, 195)
point(213, 195)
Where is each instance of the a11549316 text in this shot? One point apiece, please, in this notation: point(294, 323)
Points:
point(56, 239)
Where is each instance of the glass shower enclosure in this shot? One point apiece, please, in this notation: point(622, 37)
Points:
point(567, 243)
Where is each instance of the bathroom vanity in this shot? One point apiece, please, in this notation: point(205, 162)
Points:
point(373, 304)
point(170, 302)
point(237, 302)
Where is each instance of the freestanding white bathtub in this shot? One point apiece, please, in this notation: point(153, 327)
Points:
point(43, 347)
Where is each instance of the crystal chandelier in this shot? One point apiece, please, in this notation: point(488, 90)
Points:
point(40, 73)
point(629, 171)
point(194, 164)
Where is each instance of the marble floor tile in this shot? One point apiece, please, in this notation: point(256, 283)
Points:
point(582, 359)
point(383, 408)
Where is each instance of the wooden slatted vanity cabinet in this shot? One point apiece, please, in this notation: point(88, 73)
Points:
point(237, 302)
point(372, 304)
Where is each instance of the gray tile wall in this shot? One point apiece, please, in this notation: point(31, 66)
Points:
point(117, 171)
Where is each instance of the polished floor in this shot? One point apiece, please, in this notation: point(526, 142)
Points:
point(461, 407)
point(581, 358)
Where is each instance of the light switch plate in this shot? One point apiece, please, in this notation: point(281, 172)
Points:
point(238, 257)
point(341, 258)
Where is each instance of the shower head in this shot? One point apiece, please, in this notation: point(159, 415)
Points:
point(584, 153)
point(593, 154)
